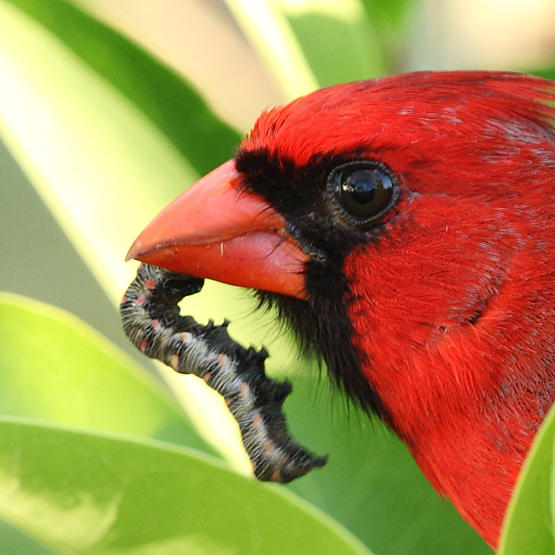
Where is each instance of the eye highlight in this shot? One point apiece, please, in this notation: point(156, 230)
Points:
point(364, 190)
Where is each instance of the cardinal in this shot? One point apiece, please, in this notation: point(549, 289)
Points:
point(403, 227)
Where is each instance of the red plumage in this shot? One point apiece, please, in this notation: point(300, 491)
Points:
point(450, 293)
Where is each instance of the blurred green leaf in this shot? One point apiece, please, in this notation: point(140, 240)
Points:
point(387, 13)
point(14, 540)
point(55, 368)
point(88, 493)
point(164, 97)
point(311, 44)
point(99, 163)
point(529, 524)
point(321, 26)
point(547, 73)
point(264, 24)
point(389, 19)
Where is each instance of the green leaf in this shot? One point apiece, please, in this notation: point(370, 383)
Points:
point(547, 73)
point(529, 524)
point(171, 104)
point(100, 164)
point(13, 540)
point(321, 26)
point(88, 493)
point(388, 15)
point(107, 134)
point(56, 368)
point(311, 44)
point(389, 19)
point(264, 24)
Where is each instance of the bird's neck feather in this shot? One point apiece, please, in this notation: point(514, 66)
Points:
point(456, 358)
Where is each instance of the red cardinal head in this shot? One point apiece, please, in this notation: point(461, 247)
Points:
point(404, 228)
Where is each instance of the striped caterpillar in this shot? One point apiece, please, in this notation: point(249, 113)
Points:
point(152, 321)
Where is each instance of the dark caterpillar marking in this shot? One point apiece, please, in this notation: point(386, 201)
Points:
point(152, 321)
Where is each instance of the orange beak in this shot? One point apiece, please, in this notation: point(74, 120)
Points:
point(213, 230)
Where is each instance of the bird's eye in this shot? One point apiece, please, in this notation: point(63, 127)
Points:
point(363, 189)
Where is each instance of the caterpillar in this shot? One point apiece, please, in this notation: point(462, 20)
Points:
point(152, 321)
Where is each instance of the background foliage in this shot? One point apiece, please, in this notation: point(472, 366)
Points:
point(96, 453)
